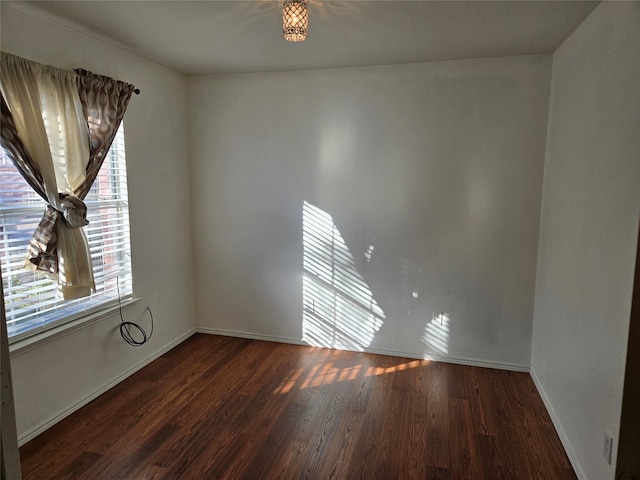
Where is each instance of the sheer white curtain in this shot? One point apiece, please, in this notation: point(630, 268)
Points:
point(49, 120)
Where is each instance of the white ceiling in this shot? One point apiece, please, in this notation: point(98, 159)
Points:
point(198, 37)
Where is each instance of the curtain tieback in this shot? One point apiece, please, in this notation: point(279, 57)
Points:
point(74, 211)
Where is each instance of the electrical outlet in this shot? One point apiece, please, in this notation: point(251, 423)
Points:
point(607, 448)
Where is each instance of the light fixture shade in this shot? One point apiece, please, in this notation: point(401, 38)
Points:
point(295, 20)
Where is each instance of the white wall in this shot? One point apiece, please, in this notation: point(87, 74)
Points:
point(589, 224)
point(438, 165)
point(55, 376)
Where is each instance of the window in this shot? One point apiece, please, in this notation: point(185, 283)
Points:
point(30, 298)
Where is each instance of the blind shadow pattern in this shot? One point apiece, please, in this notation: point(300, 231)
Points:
point(339, 310)
point(436, 335)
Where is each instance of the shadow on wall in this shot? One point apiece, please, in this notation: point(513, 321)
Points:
point(339, 310)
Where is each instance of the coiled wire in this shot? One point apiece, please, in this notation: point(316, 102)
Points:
point(125, 327)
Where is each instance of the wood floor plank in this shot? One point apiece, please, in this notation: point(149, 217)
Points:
point(464, 455)
point(456, 383)
point(416, 422)
point(363, 463)
point(79, 466)
point(131, 458)
point(437, 431)
point(151, 472)
point(492, 465)
point(324, 427)
point(481, 401)
point(391, 453)
point(229, 408)
point(436, 473)
point(524, 428)
point(348, 427)
point(516, 464)
point(279, 451)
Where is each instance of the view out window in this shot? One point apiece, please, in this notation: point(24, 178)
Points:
point(30, 298)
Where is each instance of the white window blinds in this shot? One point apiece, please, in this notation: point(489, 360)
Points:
point(31, 300)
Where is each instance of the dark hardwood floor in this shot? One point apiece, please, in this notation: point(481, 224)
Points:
point(226, 408)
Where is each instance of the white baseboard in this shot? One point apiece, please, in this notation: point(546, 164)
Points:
point(473, 362)
point(43, 426)
point(564, 439)
point(394, 353)
point(250, 336)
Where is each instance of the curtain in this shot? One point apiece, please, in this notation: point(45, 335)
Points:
point(104, 101)
point(58, 126)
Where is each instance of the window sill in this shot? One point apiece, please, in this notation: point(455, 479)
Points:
point(25, 344)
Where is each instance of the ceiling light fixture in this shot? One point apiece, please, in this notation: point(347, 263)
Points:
point(295, 20)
